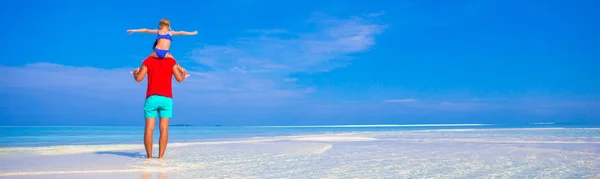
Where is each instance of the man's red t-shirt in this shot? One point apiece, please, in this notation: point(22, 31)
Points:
point(160, 72)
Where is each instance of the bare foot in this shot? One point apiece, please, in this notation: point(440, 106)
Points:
point(146, 175)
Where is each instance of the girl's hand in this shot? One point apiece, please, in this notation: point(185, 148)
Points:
point(130, 31)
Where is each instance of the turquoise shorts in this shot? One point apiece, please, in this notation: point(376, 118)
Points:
point(158, 106)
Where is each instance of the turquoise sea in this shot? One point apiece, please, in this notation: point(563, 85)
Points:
point(336, 151)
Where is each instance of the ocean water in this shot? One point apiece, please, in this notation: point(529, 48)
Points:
point(367, 151)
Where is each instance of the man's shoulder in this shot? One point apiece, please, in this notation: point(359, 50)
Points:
point(148, 60)
point(153, 60)
point(170, 60)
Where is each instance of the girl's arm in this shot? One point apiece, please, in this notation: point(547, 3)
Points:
point(150, 31)
point(184, 33)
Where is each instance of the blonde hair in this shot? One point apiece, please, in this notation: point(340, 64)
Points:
point(164, 23)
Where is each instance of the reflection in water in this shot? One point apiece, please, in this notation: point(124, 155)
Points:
point(148, 175)
point(154, 165)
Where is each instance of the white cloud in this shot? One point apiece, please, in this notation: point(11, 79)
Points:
point(400, 100)
point(462, 106)
point(253, 70)
point(49, 75)
point(270, 31)
point(263, 63)
point(328, 46)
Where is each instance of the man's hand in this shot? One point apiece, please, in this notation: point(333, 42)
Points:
point(183, 71)
point(139, 73)
point(135, 72)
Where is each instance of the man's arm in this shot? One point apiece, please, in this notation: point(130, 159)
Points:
point(179, 73)
point(184, 33)
point(150, 31)
point(140, 73)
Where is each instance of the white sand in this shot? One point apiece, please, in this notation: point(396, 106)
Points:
point(406, 154)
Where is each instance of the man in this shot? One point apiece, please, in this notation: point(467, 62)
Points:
point(159, 94)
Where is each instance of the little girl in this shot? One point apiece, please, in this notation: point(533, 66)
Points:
point(163, 38)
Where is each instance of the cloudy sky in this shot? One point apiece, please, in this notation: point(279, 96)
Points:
point(262, 62)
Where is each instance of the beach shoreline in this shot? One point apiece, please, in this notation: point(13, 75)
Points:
point(504, 153)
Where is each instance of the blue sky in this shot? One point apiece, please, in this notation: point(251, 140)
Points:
point(306, 62)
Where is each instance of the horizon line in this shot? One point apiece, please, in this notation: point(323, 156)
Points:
point(219, 125)
point(382, 125)
point(323, 125)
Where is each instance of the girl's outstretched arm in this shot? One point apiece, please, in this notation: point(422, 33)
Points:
point(184, 33)
point(150, 31)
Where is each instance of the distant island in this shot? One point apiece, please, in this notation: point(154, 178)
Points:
point(187, 125)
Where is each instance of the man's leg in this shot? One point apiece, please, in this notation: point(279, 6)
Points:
point(165, 112)
point(150, 113)
point(150, 122)
point(164, 137)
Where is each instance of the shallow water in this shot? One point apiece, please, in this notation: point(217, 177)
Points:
point(430, 153)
